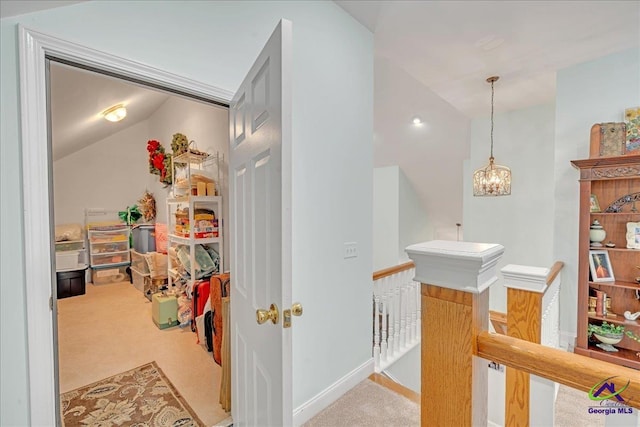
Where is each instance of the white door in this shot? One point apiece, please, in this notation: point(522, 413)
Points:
point(260, 213)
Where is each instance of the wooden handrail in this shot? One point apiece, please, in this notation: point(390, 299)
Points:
point(392, 270)
point(499, 321)
point(555, 270)
point(573, 370)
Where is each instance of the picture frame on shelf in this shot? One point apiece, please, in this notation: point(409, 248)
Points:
point(600, 266)
point(632, 123)
point(608, 139)
point(633, 235)
point(593, 203)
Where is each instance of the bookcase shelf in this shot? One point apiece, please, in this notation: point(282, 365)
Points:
point(609, 179)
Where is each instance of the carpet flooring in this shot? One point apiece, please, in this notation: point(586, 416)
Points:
point(109, 330)
point(369, 404)
point(142, 396)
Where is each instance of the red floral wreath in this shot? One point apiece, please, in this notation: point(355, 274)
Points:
point(159, 161)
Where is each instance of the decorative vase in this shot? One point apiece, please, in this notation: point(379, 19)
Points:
point(607, 341)
point(597, 234)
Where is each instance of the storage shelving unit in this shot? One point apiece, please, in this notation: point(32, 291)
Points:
point(188, 169)
point(609, 179)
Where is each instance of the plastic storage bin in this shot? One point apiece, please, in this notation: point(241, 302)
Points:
point(139, 262)
point(144, 238)
point(103, 276)
point(67, 259)
point(139, 279)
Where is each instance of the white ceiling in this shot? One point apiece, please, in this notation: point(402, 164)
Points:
point(77, 99)
point(19, 7)
point(453, 46)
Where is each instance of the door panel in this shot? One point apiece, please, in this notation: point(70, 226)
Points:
point(259, 117)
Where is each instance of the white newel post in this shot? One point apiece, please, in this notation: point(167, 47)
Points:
point(533, 280)
point(455, 278)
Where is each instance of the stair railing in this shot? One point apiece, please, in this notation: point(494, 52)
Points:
point(455, 279)
point(396, 314)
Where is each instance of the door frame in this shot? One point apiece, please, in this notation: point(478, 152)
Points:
point(37, 178)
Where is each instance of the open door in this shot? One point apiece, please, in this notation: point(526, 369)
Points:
point(260, 214)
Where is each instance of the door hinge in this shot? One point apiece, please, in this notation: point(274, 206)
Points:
point(51, 303)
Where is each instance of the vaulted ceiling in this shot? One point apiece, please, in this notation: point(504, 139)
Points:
point(439, 51)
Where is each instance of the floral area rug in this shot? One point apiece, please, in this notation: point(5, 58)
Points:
point(141, 397)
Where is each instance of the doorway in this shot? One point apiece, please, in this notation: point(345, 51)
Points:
point(38, 192)
point(104, 165)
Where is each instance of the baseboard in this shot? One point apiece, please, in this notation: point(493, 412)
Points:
point(316, 404)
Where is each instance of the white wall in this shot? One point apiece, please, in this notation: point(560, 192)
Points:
point(414, 225)
point(406, 370)
point(398, 98)
point(385, 217)
point(111, 174)
point(593, 92)
point(523, 221)
point(399, 218)
point(215, 43)
point(332, 180)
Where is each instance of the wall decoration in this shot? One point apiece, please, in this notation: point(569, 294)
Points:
point(179, 144)
point(600, 267)
point(618, 205)
point(632, 120)
point(147, 206)
point(159, 161)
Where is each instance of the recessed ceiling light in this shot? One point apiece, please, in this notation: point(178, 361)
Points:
point(416, 120)
point(115, 113)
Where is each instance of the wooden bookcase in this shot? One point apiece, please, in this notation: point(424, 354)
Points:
point(609, 179)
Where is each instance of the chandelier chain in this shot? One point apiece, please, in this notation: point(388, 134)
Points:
point(492, 118)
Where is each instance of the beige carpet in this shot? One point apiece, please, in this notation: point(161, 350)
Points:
point(572, 409)
point(370, 404)
point(109, 330)
point(143, 396)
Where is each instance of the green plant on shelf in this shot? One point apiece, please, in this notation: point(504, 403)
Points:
point(633, 336)
point(605, 329)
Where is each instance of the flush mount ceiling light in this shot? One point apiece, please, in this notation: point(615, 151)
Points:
point(115, 113)
point(416, 120)
point(492, 180)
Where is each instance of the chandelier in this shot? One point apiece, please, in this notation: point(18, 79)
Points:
point(493, 179)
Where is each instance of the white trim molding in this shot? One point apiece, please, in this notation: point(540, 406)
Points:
point(36, 190)
point(316, 404)
point(463, 266)
point(526, 278)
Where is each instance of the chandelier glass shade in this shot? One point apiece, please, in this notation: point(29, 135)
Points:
point(493, 179)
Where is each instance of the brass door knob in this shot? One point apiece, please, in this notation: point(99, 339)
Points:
point(296, 309)
point(263, 315)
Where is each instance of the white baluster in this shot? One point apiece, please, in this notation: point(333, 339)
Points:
point(403, 314)
point(391, 307)
point(376, 332)
point(384, 344)
point(396, 318)
point(415, 318)
point(418, 311)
